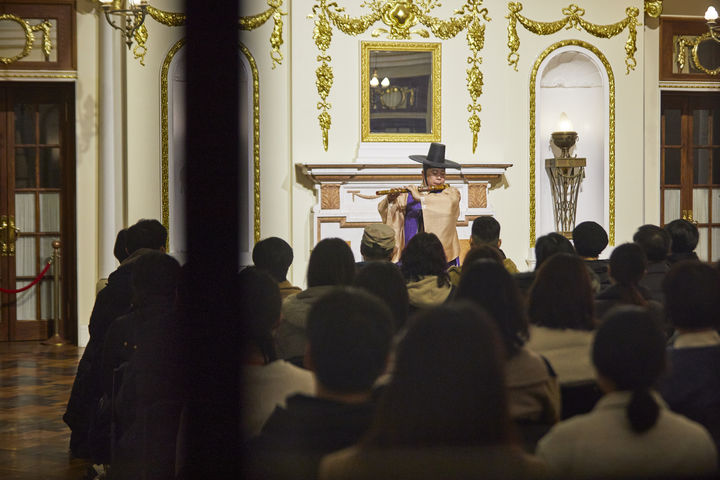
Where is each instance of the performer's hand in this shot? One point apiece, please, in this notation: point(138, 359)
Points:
point(391, 197)
point(413, 189)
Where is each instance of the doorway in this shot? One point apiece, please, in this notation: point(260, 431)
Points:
point(37, 207)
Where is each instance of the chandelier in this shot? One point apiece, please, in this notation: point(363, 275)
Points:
point(711, 16)
point(126, 16)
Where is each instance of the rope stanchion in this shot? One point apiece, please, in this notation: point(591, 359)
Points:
point(31, 284)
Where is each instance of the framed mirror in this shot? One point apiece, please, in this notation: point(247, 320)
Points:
point(400, 91)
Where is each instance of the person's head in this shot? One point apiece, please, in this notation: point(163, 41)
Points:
point(349, 336)
point(154, 275)
point(433, 175)
point(385, 280)
point(692, 295)
point(683, 234)
point(424, 255)
point(654, 241)
point(273, 255)
point(120, 248)
point(146, 234)
point(561, 295)
point(627, 264)
point(485, 231)
point(448, 385)
point(378, 242)
point(259, 310)
point(489, 285)
point(590, 239)
point(331, 263)
point(550, 244)
point(629, 355)
point(483, 252)
point(434, 164)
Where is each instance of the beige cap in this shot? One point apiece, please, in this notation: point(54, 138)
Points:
point(380, 235)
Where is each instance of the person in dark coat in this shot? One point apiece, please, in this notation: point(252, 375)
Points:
point(684, 237)
point(545, 247)
point(655, 242)
point(590, 239)
point(111, 302)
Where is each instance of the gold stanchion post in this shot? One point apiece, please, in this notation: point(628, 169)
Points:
point(57, 339)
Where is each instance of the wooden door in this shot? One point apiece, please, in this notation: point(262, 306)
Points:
point(37, 165)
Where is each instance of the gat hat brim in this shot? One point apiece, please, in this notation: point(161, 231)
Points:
point(435, 158)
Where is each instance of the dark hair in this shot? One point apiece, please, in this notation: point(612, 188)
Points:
point(448, 385)
point(273, 255)
point(154, 274)
point(629, 350)
point(146, 234)
point(120, 248)
point(489, 285)
point(375, 252)
point(424, 255)
point(385, 280)
point(259, 310)
point(684, 236)
point(481, 252)
point(349, 335)
point(627, 268)
point(485, 229)
point(550, 244)
point(331, 263)
point(561, 295)
point(692, 295)
point(590, 238)
point(654, 241)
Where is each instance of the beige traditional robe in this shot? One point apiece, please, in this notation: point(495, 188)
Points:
point(440, 214)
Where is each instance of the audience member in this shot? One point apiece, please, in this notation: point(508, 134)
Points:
point(275, 256)
point(331, 264)
point(119, 252)
point(545, 247)
point(534, 395)
point(630, 432)
point(684, 238)
point(590, 239)
point(692, 387)
point(349, 337)
point(424, 267)
point(385, 280)
point(475, 253)
point(561, 310)
point(377, 244)
point(655, 242)
point(267, 380)
point(444, 414)
point(486, 231)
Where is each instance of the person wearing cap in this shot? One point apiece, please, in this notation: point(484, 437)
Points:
point(378, 244)
point(432, 212)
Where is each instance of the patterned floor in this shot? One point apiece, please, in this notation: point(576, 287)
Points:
point(35, 383)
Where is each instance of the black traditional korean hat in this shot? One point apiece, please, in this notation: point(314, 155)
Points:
point(435, 158)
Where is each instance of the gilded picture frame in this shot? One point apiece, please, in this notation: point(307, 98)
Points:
point(435, 100)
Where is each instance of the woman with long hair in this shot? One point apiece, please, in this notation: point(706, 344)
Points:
point(424, 266)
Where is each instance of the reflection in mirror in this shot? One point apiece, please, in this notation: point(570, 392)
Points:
point(401, 91)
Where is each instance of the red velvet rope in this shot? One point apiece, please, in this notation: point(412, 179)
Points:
point(32, 284)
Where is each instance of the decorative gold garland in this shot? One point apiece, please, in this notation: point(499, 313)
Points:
point(684, 42)
point(400, 16)
point(653, 8)
point(573, 19)
point(43, 27)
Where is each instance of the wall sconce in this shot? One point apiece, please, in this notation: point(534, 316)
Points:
point(126, 16)
point(374, 82)
point(385, 82)
point(565, 138)
point(711, 16)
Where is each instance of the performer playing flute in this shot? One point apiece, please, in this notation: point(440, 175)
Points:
point(433, 212)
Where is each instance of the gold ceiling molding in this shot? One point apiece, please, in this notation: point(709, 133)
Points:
point(400, 16)
point(694, 42)
point(30, 30)
point(573, 19)
point(653, 8)
point(611, 140)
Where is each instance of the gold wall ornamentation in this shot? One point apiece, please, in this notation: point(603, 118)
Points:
point(694, 42)
point(611, 140)
point(29, 30)
point(573, 19)
point(276, 38)
point(400, 16)
point(653, 8)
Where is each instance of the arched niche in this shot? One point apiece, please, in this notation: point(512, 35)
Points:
point(573, 77)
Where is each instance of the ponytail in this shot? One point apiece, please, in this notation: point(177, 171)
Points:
point(642, 411)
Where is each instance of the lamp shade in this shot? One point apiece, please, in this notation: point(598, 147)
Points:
point(711, 14)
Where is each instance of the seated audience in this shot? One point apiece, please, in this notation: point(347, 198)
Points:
point(684, 238)
point(349, 336)
point(561, 311)
point(275, 256)
point(377, 244)
point(692, 387)
point(331, 264)
point(475, 253)
point(630, 432)
point(385, 280)
point(444, 414)
point(119, 252)
point(267, 380)
point(533, 390)
point(486, 231)
point(545, 247)
point(424, 267)
point(590, 239)
point(655, 242)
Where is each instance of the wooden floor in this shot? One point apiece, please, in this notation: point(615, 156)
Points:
point(35, 383)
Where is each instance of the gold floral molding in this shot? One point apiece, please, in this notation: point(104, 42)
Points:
point(30, 30)
point(573, 19)
point(694, 42)
point(400, 16)
point(653, 8)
